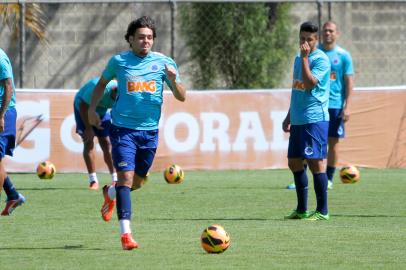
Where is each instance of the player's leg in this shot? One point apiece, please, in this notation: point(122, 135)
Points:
point(316, 153)
point(296, 165)
point(7, 142)
point(88, 151)
point(105, 145)
point(332, 158)
point(336, 131)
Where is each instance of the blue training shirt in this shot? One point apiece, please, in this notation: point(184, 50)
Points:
point(85, 95)
point(140, 88)
point(341, 66)
point(310, 106)
point(6, 71)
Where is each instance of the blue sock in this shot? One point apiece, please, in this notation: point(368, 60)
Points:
point(330, 173)
point(301, 183)
point(10, 190)
point(320, 187)
point(123, 202)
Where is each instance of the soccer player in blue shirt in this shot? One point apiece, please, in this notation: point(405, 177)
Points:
point(308, 121)
point(87, 132)
point(140, 74)
point(8, 118)
point(341, 88)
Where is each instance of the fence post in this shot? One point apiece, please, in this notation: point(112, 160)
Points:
point(22, 43)
point(173, 27)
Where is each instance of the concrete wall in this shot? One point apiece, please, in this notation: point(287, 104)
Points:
point(82, 37)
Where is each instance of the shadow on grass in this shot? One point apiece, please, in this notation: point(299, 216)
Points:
point(206, 219)
point(66, 247)
point(53, 188)
point(367, 216)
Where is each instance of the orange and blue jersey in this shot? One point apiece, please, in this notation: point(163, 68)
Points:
point(341, 66)
point(310, 106)
point(140, 88)
point(6, 72)
point(85, 95)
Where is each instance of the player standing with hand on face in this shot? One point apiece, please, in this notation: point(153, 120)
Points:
point(140, 74)
point(308, 121)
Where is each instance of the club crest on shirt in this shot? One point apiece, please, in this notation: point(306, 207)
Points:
point(154, 67)
point(308, 151)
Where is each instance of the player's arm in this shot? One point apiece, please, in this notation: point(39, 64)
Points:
point(8, 92)
point(93, 117)
point(286, 122)
point(308, 79)
point(178, 89)
point(349, 88)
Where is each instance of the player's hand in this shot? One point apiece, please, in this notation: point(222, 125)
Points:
point(1, 124)
point(88, 135)
point(304, 49)
point(286, 125)
point(170, 72)
point(345, 114)
point(94, 119)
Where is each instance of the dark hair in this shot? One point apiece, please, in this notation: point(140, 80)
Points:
point(309, 27)
point(143, 22)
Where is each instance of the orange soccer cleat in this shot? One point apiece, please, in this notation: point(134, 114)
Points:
point(108, 205)
point(94, 185)
point(128, 242)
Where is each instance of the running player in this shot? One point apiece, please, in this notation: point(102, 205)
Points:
point(140, 74)
point(8, 118)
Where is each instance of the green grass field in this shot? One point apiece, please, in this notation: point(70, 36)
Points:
point(60, 226)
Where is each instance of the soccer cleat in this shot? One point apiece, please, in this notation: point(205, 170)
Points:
point(108, 205)
point(296, 215)
point(316, 215)
point(127, 241)
point(330, 184)
point(94, 185)
point(11, 205)
point(291, 186)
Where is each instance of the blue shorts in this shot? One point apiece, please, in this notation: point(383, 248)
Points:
point(336, 127)
point(308, 141)
point(133, 150)
point(8, 136)
point(105, 120)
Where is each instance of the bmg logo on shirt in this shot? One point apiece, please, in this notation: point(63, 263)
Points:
point(141, 86)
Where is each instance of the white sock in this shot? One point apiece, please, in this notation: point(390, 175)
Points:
point(112, 192)
point(93, 177)
point(125, 226)
point(114, 177)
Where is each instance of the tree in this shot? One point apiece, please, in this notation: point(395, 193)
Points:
point(34, 19)
point(237, 45)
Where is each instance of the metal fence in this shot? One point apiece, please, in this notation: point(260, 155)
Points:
point(82, 36)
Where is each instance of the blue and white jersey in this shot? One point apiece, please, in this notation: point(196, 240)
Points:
point(85, 95)
point(140, 88)
point(310, 106)
point(6, 71)
point(341, 66)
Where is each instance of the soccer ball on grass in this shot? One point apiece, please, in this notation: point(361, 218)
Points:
point(215, 239)
point(46, 170)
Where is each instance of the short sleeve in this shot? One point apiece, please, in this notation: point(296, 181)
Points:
point(110, 71)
